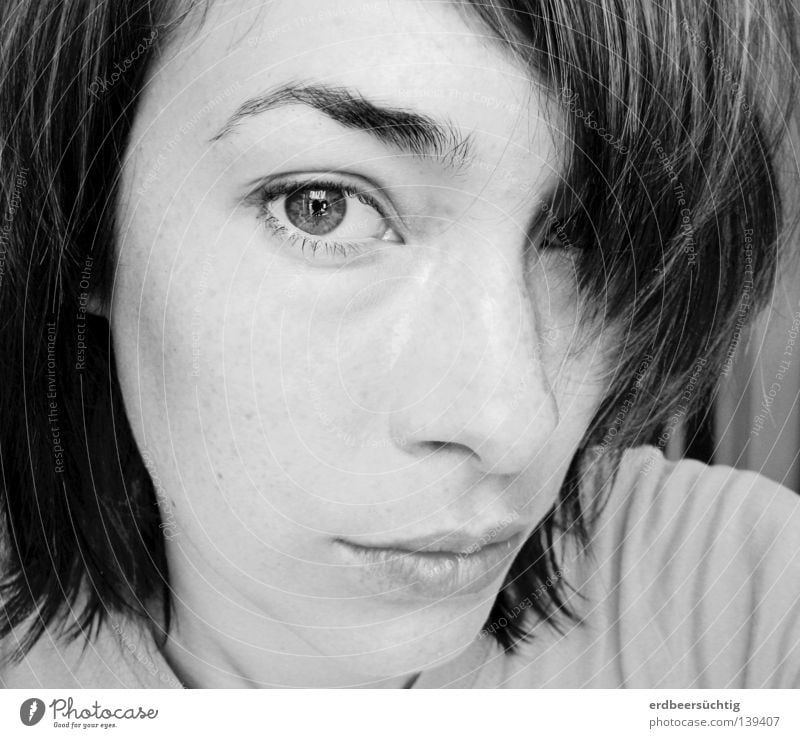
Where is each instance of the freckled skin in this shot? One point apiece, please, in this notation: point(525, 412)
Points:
point(285, 401)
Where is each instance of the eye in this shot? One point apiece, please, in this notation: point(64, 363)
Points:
point(561, 234)
point(325, 217)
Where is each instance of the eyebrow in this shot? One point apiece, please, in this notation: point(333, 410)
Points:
point(408, 131)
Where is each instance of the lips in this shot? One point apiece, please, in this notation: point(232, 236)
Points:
point(453, 542)
point(435, 567)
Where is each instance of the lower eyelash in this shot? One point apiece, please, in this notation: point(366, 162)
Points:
point(332, 248)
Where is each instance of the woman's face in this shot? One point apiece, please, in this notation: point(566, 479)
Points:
point(336, 331)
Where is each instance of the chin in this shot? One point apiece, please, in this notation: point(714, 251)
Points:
point(418, 641)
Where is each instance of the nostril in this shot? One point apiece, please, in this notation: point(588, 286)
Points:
point(431, 447)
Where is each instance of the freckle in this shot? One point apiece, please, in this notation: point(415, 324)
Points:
point(219, 476)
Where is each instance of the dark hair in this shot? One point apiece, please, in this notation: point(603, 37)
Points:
point(670, 197)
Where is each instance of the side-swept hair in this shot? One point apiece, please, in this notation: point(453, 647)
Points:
point(78, 508)
point(675, 112)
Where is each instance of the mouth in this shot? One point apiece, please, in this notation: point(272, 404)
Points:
point(435, 567)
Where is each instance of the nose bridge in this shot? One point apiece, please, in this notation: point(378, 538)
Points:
point(477, 371)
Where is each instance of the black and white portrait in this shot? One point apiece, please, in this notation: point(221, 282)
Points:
point(399, 344)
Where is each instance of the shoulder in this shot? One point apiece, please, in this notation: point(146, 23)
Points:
point(120, 654)
point(46, 664)
point(708, 559)
point(690, 509)
point(691, 579)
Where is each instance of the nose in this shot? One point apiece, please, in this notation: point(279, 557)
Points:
point(472, 378)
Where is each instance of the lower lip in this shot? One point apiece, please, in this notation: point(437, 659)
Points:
point(436, 574)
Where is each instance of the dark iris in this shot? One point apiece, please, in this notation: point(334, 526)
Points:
point(316, 211)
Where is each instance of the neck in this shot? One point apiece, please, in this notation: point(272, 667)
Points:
point(218, 640)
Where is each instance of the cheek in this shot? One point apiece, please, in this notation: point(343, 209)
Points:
point(251, 387)
point(338, 344)
point(197, 389)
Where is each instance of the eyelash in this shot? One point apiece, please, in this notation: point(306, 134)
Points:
point(267, 194)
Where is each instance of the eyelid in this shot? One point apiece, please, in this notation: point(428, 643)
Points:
point(349, 183)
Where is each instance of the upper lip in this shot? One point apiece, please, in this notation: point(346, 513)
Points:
point(458, 542)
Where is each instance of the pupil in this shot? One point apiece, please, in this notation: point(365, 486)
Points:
point(316, 211)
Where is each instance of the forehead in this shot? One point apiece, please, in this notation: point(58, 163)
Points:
point(432, 57)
